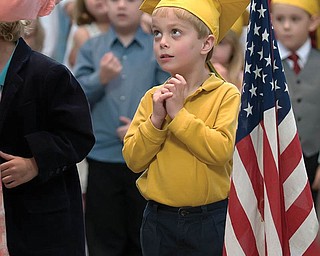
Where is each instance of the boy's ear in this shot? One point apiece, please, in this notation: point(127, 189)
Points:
point(208, 44)
point(315, 23)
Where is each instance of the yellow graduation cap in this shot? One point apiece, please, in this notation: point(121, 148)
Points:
point(242, 21)
point(310, 6)
point(218, 15)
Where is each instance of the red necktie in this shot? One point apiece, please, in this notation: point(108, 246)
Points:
point(294, 57)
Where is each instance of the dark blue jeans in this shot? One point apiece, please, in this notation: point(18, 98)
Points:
point(196, 231)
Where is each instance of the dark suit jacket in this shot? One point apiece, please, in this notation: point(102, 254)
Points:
point(44, 114)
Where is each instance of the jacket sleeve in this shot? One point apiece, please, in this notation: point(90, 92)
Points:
point(65, 136)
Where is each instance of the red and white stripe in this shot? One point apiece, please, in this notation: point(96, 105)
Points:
point(270, 211)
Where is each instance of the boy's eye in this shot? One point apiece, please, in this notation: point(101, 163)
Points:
point(175, 32)
point(156, 34)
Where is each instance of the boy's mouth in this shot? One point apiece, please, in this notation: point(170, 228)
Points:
point(163, 56)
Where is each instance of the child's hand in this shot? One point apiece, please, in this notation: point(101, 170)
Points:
point(178, 87)
point(159, 111)
point(17, 170)
point(122, 130)
point(110, 67)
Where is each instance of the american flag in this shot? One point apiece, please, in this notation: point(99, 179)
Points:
point(270, 211)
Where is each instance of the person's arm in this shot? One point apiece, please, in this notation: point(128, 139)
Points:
point(213, 145)
point(92, 76)
point(80, 36)
point(142, 140)
point(88, 74)
point(66, 136)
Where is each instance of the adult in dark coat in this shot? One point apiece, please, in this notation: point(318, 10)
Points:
point(45, 129)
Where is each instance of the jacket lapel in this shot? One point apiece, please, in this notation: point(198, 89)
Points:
point(13, 80)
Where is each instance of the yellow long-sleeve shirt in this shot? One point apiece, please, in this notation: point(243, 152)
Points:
point(189, 161)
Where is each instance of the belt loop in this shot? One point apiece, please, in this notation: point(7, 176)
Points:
point(204, 208)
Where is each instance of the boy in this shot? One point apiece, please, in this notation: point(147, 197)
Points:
point(293, 20)
point(182, 135)
point(115, 70)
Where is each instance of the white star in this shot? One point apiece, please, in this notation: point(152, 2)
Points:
point(268, 60)
point(251, 49)
point(274, 45)
point(253, 6)
point(243, 87)
point(277, 105)
point(261, 54)
point(275, 67)
point(264, 77)
point(265, 35)
point(257, 71)
point(276, 85)
point(248, 68)
point(256, 29)
point(253, 91)
point(286, 87)
point(248, 109)
point(262, 11)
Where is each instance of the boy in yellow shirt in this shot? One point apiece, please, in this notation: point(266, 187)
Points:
point(183, 133)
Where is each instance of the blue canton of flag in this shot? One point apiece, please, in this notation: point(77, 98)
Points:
point(264, 81)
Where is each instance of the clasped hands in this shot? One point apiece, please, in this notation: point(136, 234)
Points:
point(169, 99)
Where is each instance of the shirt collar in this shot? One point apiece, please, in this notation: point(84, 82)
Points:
point(140, 34)
point(303, 51)
point(4, 71)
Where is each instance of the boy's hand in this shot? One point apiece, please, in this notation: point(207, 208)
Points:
point(110, 67)
point(17, 170)
point(122, 130)
point(159, 111)
point(178, 87)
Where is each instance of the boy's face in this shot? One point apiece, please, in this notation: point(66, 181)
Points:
point(176, 43)
point(97, 8)
point(292, 25)
point(124, 14)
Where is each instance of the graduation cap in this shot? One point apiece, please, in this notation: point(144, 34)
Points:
point(310, 6)
point(218, 15)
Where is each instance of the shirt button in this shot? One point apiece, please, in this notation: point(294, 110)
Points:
point(124, 57)
point(122, 98)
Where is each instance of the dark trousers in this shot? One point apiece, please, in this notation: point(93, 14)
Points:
point(113, 211)
point(196, 231)
point(311, 167)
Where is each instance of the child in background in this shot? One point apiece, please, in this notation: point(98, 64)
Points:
point(182, 136)
point(293, 20)
point(228, 55)
point(115, 69)
point(90, 19)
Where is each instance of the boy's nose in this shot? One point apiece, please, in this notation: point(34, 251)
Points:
point(164, 43)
